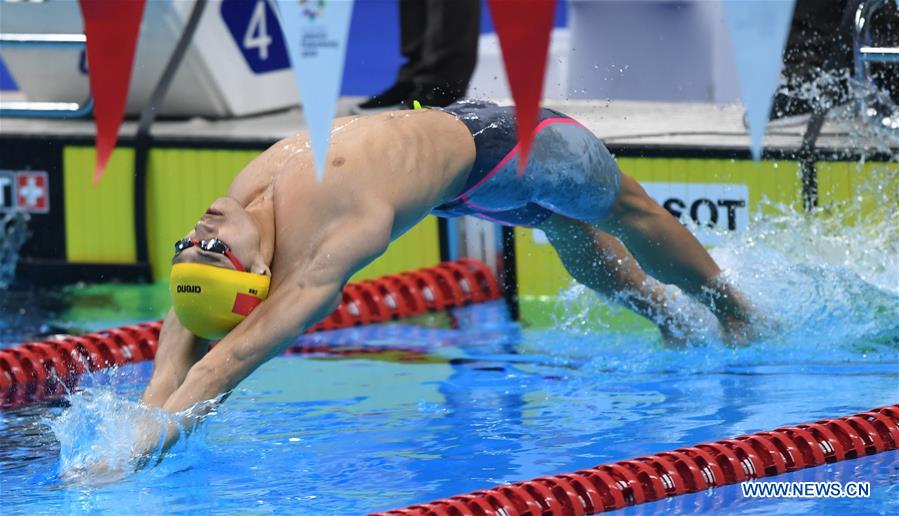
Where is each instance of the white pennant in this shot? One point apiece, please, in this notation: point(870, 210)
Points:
point(758, 34)
point(316, 33)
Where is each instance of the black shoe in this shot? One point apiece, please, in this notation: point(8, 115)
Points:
point(393, 97)
point(435, 96)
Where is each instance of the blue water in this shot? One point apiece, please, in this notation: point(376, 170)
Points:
point(482, 404)
point(454, 403)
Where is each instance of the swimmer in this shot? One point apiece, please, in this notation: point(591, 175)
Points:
point(271, 258)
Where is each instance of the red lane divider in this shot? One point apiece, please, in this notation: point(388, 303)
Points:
point(42, 370)
point(685, 470)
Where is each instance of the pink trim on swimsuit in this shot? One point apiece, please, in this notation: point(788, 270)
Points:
point(482, 209)
point(542, 125)
point(491, 219)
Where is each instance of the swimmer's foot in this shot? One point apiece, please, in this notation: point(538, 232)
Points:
point(740, 322)
point(678, 328)
point(660, 307)
point(674, 337)
point(738, 331)
point(751, 327)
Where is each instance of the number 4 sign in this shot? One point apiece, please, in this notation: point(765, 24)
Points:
point(256, 36)
point(254, 26)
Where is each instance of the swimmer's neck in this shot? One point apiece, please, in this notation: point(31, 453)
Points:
point(262, 212)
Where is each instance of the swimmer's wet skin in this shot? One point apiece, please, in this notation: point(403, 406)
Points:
point(303, 239)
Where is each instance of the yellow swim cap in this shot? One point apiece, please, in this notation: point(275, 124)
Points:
point(210, 301)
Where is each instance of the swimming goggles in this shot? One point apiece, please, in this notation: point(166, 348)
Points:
point(213, 245)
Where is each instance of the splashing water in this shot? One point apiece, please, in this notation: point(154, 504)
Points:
point(826, 279)
point(866, 134)
point(101, 428)
point(854, 110)
point(13, 233)
point(832, 275)
point(827, 282)
point(97, 434)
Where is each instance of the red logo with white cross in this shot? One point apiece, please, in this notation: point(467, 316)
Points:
point(33, 192)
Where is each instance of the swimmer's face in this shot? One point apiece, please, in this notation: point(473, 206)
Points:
point(228, 221)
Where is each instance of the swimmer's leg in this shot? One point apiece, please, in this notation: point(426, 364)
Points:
point(670, 253)
point(178, 351)
point(599, 261)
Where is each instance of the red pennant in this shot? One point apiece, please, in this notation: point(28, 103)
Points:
point(111, 28)
point(523, 27)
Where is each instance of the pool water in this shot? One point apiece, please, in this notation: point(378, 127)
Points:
point(451, 403)
point(485, 403)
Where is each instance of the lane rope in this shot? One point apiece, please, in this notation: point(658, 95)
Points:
point(49, 369)
point(686, 470)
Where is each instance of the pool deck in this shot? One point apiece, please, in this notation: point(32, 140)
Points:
point(623, 125)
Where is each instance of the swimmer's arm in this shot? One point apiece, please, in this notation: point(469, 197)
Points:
point(177, 352)
point(259, 337)
point(297, 302)
point(262, 335)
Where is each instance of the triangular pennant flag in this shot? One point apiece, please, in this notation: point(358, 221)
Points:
point(523, 27)
point(111, 28)
point(316, 32)
point(758, 33)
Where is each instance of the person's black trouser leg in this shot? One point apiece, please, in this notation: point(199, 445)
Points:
point(440, 42)
point(413, 22)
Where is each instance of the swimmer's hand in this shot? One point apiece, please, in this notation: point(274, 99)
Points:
point(98, 473)
point(155, 439)
point(674, 334)
point(146, 451)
